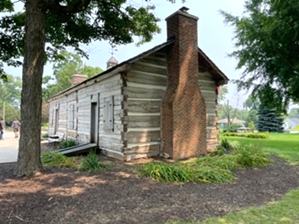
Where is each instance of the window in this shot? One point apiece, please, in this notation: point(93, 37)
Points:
point(108, 113)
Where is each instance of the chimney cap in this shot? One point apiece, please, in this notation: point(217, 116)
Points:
point(184, 9)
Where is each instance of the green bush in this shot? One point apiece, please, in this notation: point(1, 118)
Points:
point(258, 135)
point(251, 156)
point(92, 163)
point(56, 159)
point(66, 143)
point(229, 134)
point(248, 135)
point(223, 148)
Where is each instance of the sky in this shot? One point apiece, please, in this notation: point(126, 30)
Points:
point(215, 38)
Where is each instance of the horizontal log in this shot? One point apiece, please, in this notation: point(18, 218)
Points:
point(141, 136)
point(210, 97)
point(111, 139)
point(155, 60)
point(140, 67)
point(205, 76)
point(137, 92)
point(152, 148)
point(142, 121)
point(111, 146)
point(136, 77)
point(142, 106)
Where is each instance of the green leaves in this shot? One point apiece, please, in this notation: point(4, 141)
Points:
point(113, 20)
point(208, 169)
point(6, 6)
point(266, 41)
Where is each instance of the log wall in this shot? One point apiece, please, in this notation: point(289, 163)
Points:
point(76, 106)
point(144, 87)
point(136, 96)
point(208, 89)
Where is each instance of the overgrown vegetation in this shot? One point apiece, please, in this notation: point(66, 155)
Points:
point(93, 163)
point(66, 143)
point(90, 163)
point(215, 168)
point(283, 211)
point(55, 158)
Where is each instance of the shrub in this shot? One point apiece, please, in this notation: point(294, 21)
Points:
point(248, 135)
point(66, 143)
point(229, 134)
point(92, 163)
point(251, 156)
point(223, 148)
point(258, 135)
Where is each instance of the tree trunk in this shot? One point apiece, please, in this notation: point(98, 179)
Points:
point(29, 161)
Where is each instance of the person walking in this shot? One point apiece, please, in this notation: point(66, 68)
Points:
point(16, 126)
point(1, 129)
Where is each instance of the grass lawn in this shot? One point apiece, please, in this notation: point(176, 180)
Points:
point(284, 211)
point(282, 144)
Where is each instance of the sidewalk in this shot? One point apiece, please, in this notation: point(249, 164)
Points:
point(9, 148)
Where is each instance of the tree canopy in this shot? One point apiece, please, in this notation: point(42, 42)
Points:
point(266, 42)
point(10, 97)
point(46, 27)
point(63, 69)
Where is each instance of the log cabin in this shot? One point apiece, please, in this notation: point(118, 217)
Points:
point(163, 101)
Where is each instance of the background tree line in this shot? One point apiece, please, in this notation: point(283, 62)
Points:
point(63, 69)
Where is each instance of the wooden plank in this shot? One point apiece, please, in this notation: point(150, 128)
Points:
point(208, 85)
point(143, 149)
point(142, 121)
point(151, 69)
point(155, 60)
point(142, 106)
point(141, 136)
point(146, 79)
point(137, 92)
point(111, 146)
point(205, 76)
point(209, 97)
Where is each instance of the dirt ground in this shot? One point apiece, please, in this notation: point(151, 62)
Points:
point(65, 196)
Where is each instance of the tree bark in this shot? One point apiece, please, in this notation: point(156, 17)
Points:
point(29, 161)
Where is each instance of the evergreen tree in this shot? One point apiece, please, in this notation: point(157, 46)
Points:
point(269, 121)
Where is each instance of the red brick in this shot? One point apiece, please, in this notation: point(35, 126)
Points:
point(183, 108)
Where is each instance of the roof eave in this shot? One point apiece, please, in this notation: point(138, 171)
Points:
point(222, 78)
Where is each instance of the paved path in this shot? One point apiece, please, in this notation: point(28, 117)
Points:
point(9, 148)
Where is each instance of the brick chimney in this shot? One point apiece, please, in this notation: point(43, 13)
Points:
point(183, 111)
point(78, 78)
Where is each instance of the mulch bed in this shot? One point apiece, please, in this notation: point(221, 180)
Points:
point(66, 196)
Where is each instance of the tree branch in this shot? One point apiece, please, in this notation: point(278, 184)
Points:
point(71, 7)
